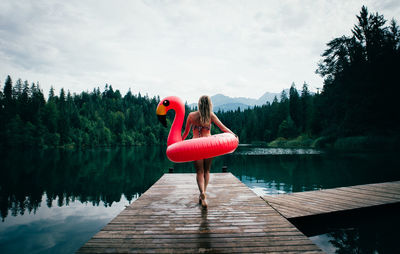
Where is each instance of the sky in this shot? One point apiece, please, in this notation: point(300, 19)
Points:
point(183, 48)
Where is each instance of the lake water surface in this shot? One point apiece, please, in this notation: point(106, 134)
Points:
point(53, 201)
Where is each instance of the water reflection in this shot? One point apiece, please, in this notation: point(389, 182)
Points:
point(367, 232)
point(49, 196)
point(89, 176)
point(56, 229)
point(103, 175)
point(271, 173)
point(203, 237)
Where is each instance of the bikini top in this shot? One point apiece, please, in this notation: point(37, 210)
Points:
point(200, 128)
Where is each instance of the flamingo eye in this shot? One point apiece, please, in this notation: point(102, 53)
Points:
point(166, 103)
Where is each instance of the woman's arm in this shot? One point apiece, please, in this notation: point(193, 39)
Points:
point(220, 125)
point(187, 126)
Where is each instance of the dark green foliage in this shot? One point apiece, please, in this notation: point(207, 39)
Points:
point(287, 129)
point(295, 107)
point(88, 119)
point(359, 98)
point(90, 176)
point(307, 111)
point(270, 121)
point(8, 89)
point(361, 86)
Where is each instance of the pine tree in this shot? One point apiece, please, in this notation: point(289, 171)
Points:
point(295, 106)
point(8, 89)
point(359, 94)
point(307, 109)
point(51, 94)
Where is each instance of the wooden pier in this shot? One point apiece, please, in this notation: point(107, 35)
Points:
point(168, 219)
point(344, 199)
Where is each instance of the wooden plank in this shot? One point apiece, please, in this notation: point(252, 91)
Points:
point(388, 185)
point(356, 198)
point(323, 201)
point(340, 195)
point(290, 233)
point(300, 211)
point(333, 200)
point(266, 242)
point(206, 249)
point(368, 195)
point(379, 188)
point(168, 219)
point(300, 204)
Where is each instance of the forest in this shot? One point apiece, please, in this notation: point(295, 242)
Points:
point(358, 99)
point(87, 119)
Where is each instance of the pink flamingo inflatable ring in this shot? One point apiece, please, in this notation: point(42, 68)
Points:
point(179, 150)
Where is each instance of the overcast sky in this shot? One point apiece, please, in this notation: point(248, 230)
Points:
point(184, 48)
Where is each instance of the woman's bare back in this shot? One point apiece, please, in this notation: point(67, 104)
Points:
point(199, 130)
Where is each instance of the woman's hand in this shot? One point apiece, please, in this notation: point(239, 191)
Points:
point(236, 136)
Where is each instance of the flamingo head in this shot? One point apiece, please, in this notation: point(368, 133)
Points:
point(170, 102)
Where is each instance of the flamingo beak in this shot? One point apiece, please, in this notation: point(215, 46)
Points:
point(162, 114)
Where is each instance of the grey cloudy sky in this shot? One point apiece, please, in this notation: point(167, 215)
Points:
point(184, 48)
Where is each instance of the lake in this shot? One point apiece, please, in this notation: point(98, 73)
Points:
point(53, 201)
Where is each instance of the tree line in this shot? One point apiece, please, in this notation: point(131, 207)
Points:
point(87, 119)
point(359, 98)
point(293, 114)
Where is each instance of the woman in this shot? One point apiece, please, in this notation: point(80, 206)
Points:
point(200, 121)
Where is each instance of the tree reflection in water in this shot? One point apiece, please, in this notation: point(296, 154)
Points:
point(102, 175)
point(368, 230)
point(376, 236)
point(346, 241)
point(89, 176)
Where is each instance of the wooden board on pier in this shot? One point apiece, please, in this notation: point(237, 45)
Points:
point(310, 203)
point(168, 219)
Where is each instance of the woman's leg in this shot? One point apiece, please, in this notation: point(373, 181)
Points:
point(207, 167)
point(199, 166)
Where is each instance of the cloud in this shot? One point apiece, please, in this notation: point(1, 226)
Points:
point(388, 5)
point(187, 48)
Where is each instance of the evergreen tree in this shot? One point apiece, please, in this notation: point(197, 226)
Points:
point(358, 98)
point(360, 81)
point(17, 89)
point(8, 90)
point(287, 129)
point(307, 109)
point(51, 94)
point(295, 107)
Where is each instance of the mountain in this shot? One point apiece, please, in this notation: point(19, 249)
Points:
point(220, 99)
point(225, 103)
point(231, 106)
point(269, 97)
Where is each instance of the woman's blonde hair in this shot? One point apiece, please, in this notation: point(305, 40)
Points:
point(205, 108)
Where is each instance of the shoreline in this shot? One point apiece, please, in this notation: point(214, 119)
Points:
point(352, 143)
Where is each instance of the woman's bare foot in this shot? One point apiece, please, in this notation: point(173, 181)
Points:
point(203, 201)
